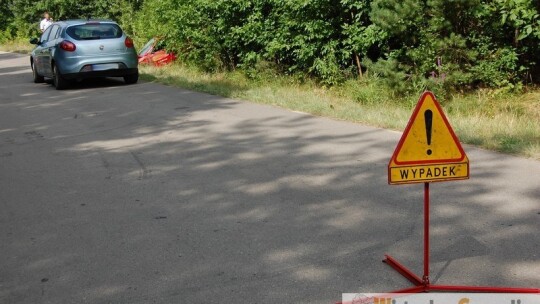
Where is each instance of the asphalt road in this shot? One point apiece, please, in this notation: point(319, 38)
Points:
point(151, 194)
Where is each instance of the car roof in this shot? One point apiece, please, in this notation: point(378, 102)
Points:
point(84, 21)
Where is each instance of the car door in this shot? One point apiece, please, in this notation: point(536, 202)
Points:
point(48, 47)
point(39, 52)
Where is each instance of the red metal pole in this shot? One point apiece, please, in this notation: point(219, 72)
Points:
point(483, 289)
point(403, 271)
point(425, 279)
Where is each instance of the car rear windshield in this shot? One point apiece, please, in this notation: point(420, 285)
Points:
point(92, 31)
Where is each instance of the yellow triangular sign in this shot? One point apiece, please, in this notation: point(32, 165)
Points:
point(428, 142)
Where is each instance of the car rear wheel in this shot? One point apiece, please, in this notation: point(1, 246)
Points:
point(59, 81)
point(131, 79)
point(37, 78)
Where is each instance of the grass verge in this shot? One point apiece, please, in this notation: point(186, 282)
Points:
point(508, 123)
point(17, 46)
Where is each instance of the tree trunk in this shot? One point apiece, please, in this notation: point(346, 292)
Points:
point(357, 59)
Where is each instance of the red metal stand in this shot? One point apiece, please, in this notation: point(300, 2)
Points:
point(423, 284)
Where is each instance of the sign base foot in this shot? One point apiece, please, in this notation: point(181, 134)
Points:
point(423, 285)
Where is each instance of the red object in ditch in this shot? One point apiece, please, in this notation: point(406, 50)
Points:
point(152, 53)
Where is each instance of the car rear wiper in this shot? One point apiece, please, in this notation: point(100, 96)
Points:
point(91, 38)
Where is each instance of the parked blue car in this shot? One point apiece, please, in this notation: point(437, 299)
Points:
point(80, 49)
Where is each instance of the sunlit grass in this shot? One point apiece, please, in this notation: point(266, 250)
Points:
point(284, 92)
point(507, 123)
point(17, 46)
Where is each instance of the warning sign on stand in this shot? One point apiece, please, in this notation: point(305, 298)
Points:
point(429, 150)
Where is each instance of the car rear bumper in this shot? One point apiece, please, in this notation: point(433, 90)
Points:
point(72, 63)
point(106, 73)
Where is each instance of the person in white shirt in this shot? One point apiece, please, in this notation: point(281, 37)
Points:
point(46, 22)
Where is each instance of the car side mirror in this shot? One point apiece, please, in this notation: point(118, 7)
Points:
point(34, 41)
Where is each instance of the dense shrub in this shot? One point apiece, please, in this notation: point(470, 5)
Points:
point(410, 44)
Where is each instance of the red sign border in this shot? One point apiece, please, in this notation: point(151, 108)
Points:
point(408, 129)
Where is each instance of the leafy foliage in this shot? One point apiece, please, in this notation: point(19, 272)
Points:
point(460, 44)
point(23, 16)
point(410, 44)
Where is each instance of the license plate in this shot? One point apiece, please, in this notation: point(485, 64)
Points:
point(105, 66)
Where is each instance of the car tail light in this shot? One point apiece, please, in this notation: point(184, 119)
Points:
point(128, 42)
point(68, 46)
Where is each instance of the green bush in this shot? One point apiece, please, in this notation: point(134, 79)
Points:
point(411, 45)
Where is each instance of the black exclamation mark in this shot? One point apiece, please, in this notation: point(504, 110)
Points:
point(428, 117)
